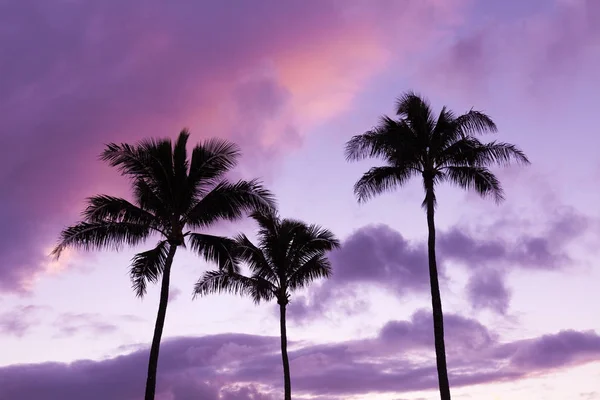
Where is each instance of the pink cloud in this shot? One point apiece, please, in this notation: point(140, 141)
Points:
point(78, 75)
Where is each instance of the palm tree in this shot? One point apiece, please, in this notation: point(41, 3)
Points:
point(438, 150)
point(290, 254)
point(171, 193)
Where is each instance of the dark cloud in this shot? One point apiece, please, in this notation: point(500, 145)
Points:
point(379, 256)
point(373, 256)
point(246, 367)
point(487, 290)
point(506, 243)
point(555, 351)
point(465, 334)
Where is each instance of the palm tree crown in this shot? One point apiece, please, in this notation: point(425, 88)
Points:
point(171, 193)
point(440, 150)
point(290, 254)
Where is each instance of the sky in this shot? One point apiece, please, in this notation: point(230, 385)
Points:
point(291, 82)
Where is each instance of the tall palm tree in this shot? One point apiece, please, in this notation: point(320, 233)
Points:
point(171, 193)
point(290, 255)
point(442, 149)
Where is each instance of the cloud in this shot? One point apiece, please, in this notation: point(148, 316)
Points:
point(491, 256)
point(244, 367)
point(78, 74)
point(69, 324)
point(531, 52)
point(174, 294)
point(546, 249)
point(487, 290)
point(555, 351)
point(20, 320)
point(465, 334)
point(379, 256)
point(373, 255)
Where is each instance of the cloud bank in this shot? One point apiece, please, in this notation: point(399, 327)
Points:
point(247, 367)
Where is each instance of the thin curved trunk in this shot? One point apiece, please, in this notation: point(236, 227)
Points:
point(158, 327)
point(436, 299)
point(287, 384)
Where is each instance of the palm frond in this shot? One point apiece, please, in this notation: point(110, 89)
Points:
point(498, 153)
point(148, 266)
point(321, 238)
point(378, 180)
point(274, 237)
point(211, 160)
point(312, 240)
point(474, 123)
point(445, 120)
point(229, 201)
point(150, 160)
point(98, 235)
point(151, 200)
point(224, 282)
point(216, 249)
point(469, 151)
point(416, 111)
point(104, 208)
point(480, 179)
point(128, 159)
point(315, 268)
point(180, 159)
point(380, 142)
point(445, 132)
point(268, 221)
point(255, 259)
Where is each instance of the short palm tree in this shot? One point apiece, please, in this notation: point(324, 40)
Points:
point(171, 193)
point(442, 149)
point(290, 255)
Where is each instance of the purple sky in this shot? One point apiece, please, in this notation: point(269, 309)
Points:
point(291, 82)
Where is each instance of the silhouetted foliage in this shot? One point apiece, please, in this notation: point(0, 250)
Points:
point(442, 149)
point(289, 255)
point(172, 192)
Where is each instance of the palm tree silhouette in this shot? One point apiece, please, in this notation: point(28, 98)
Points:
point(438, 150)
point(171, 193)
point(290, 255)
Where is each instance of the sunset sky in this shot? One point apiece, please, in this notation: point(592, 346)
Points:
point(290, 82)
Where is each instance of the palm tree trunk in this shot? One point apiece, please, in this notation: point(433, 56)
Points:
point(436, 300)
point(287, 384)
point(158, 327)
